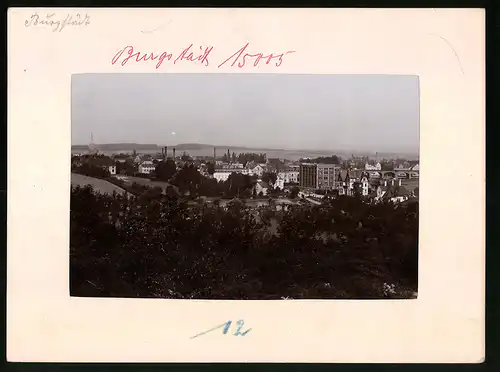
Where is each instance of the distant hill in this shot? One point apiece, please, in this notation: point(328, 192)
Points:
point(118, 146)
point(148, 146)
point(129, 147)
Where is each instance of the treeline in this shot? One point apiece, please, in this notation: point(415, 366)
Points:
point(159, 246)
point(91, 170)
point(323, 159)
point(190, 181)
point(244, 158)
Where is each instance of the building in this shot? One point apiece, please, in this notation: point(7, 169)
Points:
point(348, 181)
point(232, 166)
point(393, 191)
point(257, 170)
point(223, 174)
point(345, 182)
point(364, 186)
point(147, 167)
point(93, 150)
point(375, 167)
point(319, 176)
point(326, 179)
point(289, 176)
point(308, 175)
point(374, 175)
point(112, 169)
point(261, 187)
point(280, 183)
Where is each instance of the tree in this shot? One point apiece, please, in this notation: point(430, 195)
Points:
point(91, 170)
point(294, 192)
point(157, 245)
point(237, 183)
point(269, 177)
point(211, 168)
point(187, 179)
point(244, 158)
point(126, 168)
point(233, 157)
point(165, 170)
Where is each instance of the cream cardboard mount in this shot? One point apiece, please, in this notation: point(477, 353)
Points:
point(444, 47)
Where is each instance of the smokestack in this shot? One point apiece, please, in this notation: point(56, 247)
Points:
point(174, 153)
point(165, 155)
point(214, 155)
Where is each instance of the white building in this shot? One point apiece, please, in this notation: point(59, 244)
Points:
point(377, 166)
point(289, 176)
point(364, 186)
point(280, 183)
point(232, 166)
point(147, 167)
point(261, 187)
point(112, 169)
point(221, 175)
point(258, 170)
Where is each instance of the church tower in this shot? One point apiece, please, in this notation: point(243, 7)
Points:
point(92, 147)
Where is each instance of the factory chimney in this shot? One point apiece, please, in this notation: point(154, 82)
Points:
point(174, 153)
point(214, 155)
point(165, 156)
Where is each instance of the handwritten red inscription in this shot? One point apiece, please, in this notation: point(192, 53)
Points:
point(239, 59)
point(186, 55)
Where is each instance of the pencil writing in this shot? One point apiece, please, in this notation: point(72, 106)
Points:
point(225, 329)
point(51, 20)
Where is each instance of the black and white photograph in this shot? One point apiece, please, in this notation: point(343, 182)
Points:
point(244, 186)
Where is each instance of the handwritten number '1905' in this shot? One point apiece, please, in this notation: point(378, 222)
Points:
point(225, 329)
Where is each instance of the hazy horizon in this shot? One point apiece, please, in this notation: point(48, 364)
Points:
point(369, 113)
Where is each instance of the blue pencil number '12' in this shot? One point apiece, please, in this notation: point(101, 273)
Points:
point(225, 329)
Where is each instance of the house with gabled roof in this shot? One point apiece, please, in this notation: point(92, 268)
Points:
point(261, 187)
point(393, 192)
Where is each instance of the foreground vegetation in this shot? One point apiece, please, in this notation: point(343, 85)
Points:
point(154, 245)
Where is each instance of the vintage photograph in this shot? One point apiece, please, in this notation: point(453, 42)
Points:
point(244, 186)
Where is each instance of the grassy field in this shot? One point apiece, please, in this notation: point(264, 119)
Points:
point(146, 182)
point(99, 185)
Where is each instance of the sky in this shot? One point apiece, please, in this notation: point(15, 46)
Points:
point(280, 111)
